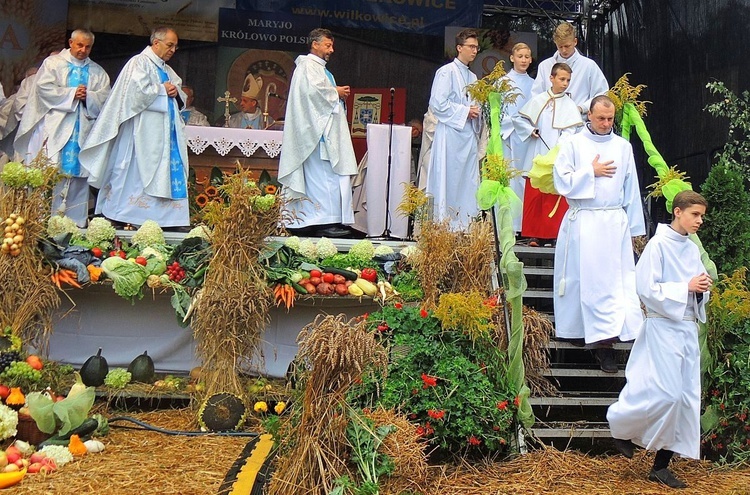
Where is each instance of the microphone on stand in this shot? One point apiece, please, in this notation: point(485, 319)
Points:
point(387, 231)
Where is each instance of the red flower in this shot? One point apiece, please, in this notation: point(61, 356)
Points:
point(715, 392)
point(491, 302)
point(423, 313)
point(413, 416)
point(517, 401)
point(414, 391)
point(429, 430)
point(502, 441)
point(434, 414)
point(420, 431)
point(383, 327)
point(722, 406)
point(502, 405)
point(474, 440)
point(428, 381)
point(398, 305)
point(719, 446)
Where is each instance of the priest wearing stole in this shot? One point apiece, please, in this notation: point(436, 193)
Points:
point(453, 172)
point(317, 157)
point(594, 277)
point(68, 95)
point(136, 153)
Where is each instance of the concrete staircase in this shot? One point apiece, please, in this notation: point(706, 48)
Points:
point(577, 417)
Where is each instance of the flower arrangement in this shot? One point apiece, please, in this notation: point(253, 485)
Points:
point(455, 389)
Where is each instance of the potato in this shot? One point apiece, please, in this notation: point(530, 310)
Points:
point(342, 289)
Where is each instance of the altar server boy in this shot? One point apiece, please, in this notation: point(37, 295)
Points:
point(659, 407)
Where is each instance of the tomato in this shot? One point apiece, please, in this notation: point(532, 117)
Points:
point(96, 251)
point(370, 274)
point(123, 255)
point(316, 273)
point(327, 278)
point(141, 260)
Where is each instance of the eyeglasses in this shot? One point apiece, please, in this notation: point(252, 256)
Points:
point(474, 48)
point(169, 46)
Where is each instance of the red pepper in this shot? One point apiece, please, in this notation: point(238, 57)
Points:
point(370, 274)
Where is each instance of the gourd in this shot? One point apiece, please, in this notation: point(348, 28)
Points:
point(94, 446)
point(222, 412)
point(94, 370)
point(16, 399)
point(76, 446)
point(141, 369)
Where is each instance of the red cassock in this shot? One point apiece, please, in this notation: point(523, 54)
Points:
point(536, 209)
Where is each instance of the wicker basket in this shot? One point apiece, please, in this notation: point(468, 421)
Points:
point(28, 431)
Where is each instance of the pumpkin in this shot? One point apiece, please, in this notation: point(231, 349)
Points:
point(94, 370)
point(76, 446)
point(222, 412)
point(16, 399)
point(141, 369)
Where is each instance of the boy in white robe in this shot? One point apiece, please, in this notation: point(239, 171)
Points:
point(453, 172)
point(541, 123)
point(589, 81)
point(317, 156)
point(659, 408)
point(514, 148)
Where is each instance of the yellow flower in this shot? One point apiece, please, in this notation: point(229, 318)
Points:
point(260, 407)
point(270, 189)
point(211, 191)
point(279, 407)
point(201, 200)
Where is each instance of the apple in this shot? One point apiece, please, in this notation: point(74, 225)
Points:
point(22, 463)
point(35, 362)
point(34, 467)
point(3, 459)
point(37, 457)
point(4, 392)
point(10, 468)
point(50, 463)
point(12, 457)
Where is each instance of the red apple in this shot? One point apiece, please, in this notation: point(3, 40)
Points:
point(35, 362)
point(34, 467)
point(49, 462)
point(4, 392)
point(37, 457)
point(22, 463)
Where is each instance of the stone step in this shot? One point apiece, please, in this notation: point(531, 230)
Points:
point(572, 401)
point(538, 270)
point(559, 345)
point(538, 294)
point(581, 429)
point(581, 373)
point(533, 252)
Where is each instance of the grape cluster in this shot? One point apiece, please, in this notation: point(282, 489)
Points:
point(7, 358)
point(176, 272)
point(21, 371)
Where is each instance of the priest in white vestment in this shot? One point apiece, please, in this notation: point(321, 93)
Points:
point(453, 172)
point(588, 80)
point(514, 148)
point(190, 114)
point(11, 111)
point(659, 407)
point(594, 275)
point(317, 157)
point(66, 98)
point(136, 153)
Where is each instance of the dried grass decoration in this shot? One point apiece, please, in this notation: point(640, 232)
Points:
point(28, 297)
point(232, 308)
point(333, 355)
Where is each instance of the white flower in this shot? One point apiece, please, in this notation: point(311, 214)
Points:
point(8, 422)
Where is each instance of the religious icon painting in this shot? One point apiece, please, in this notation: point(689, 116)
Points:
point(366, 109)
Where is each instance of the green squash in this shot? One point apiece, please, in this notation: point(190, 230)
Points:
point(141, 369)
point(94, 370)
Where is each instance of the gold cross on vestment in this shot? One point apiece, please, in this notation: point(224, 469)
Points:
point(227, 99)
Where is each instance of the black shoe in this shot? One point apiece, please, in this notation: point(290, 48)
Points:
point(606, 358)
point(333, 232)
point(575, 342)
point(183, 229)
point(665, 477)
point(625, 447)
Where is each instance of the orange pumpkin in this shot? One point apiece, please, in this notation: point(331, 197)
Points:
point(76, 446)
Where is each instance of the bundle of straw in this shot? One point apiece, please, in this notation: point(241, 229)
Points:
point(28, 297)
point(334, 354)
point(233, 309)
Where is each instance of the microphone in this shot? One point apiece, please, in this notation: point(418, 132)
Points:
point(393, 91)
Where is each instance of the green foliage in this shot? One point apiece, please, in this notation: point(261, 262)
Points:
point(726, 232)
point(736, 109)
point(454, 388)
point(727, 396)
point(406, 283)
point(365, 440)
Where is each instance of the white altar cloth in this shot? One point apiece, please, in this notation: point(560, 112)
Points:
point(223, 139)
point(377, 178)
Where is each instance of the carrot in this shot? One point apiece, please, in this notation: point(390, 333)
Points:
point(278, 294)
point(56, 280)
point(290, 294)
point(69, 277)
